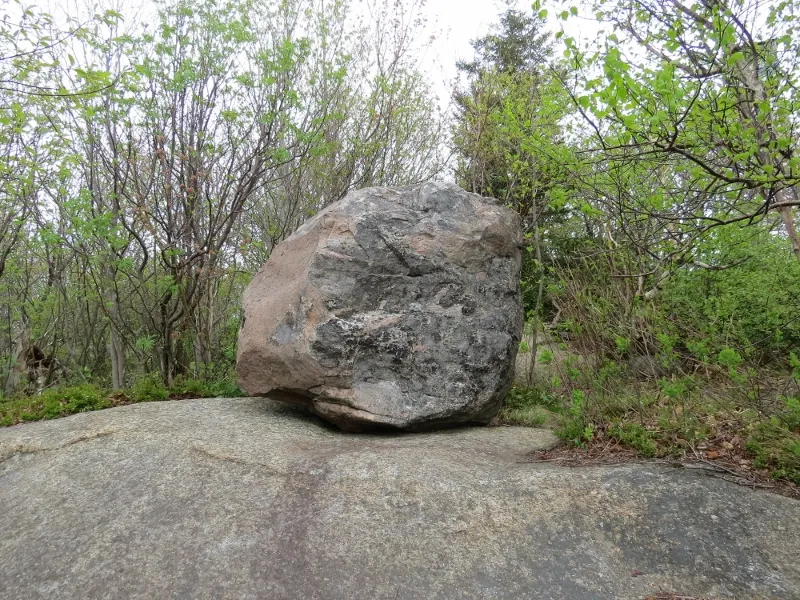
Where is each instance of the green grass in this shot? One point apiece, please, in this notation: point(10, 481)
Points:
point(777, 448)
point(53, 403)
point(528, 416)
point(526, 407)
point(69, 400)
point(669, 420)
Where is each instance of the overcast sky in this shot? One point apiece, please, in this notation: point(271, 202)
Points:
point(465, 20)
point(456, 23)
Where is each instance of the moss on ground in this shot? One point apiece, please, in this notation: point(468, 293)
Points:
point(69, 400)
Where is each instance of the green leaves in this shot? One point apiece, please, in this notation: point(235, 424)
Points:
point(730, 358)
point(699, 101)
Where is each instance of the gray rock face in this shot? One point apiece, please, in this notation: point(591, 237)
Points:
point(391, 308)
point(250, 498)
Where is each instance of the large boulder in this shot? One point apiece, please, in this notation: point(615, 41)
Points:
point(391, 308)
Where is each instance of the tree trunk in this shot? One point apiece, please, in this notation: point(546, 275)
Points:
point(788, 219)
point(534, 346)
point(116, 345)
point(203, 333)
point(116, 351)
point(749, 74)
point(166, 361)
point(17, 375)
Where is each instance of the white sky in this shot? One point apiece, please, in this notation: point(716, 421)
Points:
point(464, 20)
point(455, 23)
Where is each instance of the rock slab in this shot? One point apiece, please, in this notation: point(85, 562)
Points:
point(393, 308)
point(250, 498)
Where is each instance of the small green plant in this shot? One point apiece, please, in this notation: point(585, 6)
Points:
point(636, 436)
point(146, 343)
point(575, 430)
point(731, 359)
point(666, 353)
point(609, 371)
point(528, 407)
point(699, 349)
point(573, 369)
point(794, 362)
point(777, 448)
point(546, 356)
point(683, 416)
point(791, 415)
point(575, 426)
point(677, 390)
point(149, 389)
point(53, 403)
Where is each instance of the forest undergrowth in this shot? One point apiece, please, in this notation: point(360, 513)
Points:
point(738, 420)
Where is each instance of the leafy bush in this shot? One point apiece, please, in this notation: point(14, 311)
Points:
point(224, 388)
point(61, 402)
point(675, 416)
point(53, 403)
point(576, 425)
point(199, 388)
point(636, 436)
point(751, 307)
point(527, 407)
point(192, 387)
point(777, 448)
point(575, 429)
point(149, 389)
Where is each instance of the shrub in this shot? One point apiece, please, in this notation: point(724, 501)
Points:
point(224, 389)
point(53, 403)
point(199, 388)
point(777, 448)
point(149, 389)
point(576, 427)
point(191, 387)
point(636, 436)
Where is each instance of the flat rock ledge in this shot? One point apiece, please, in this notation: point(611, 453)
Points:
point(250, 498)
